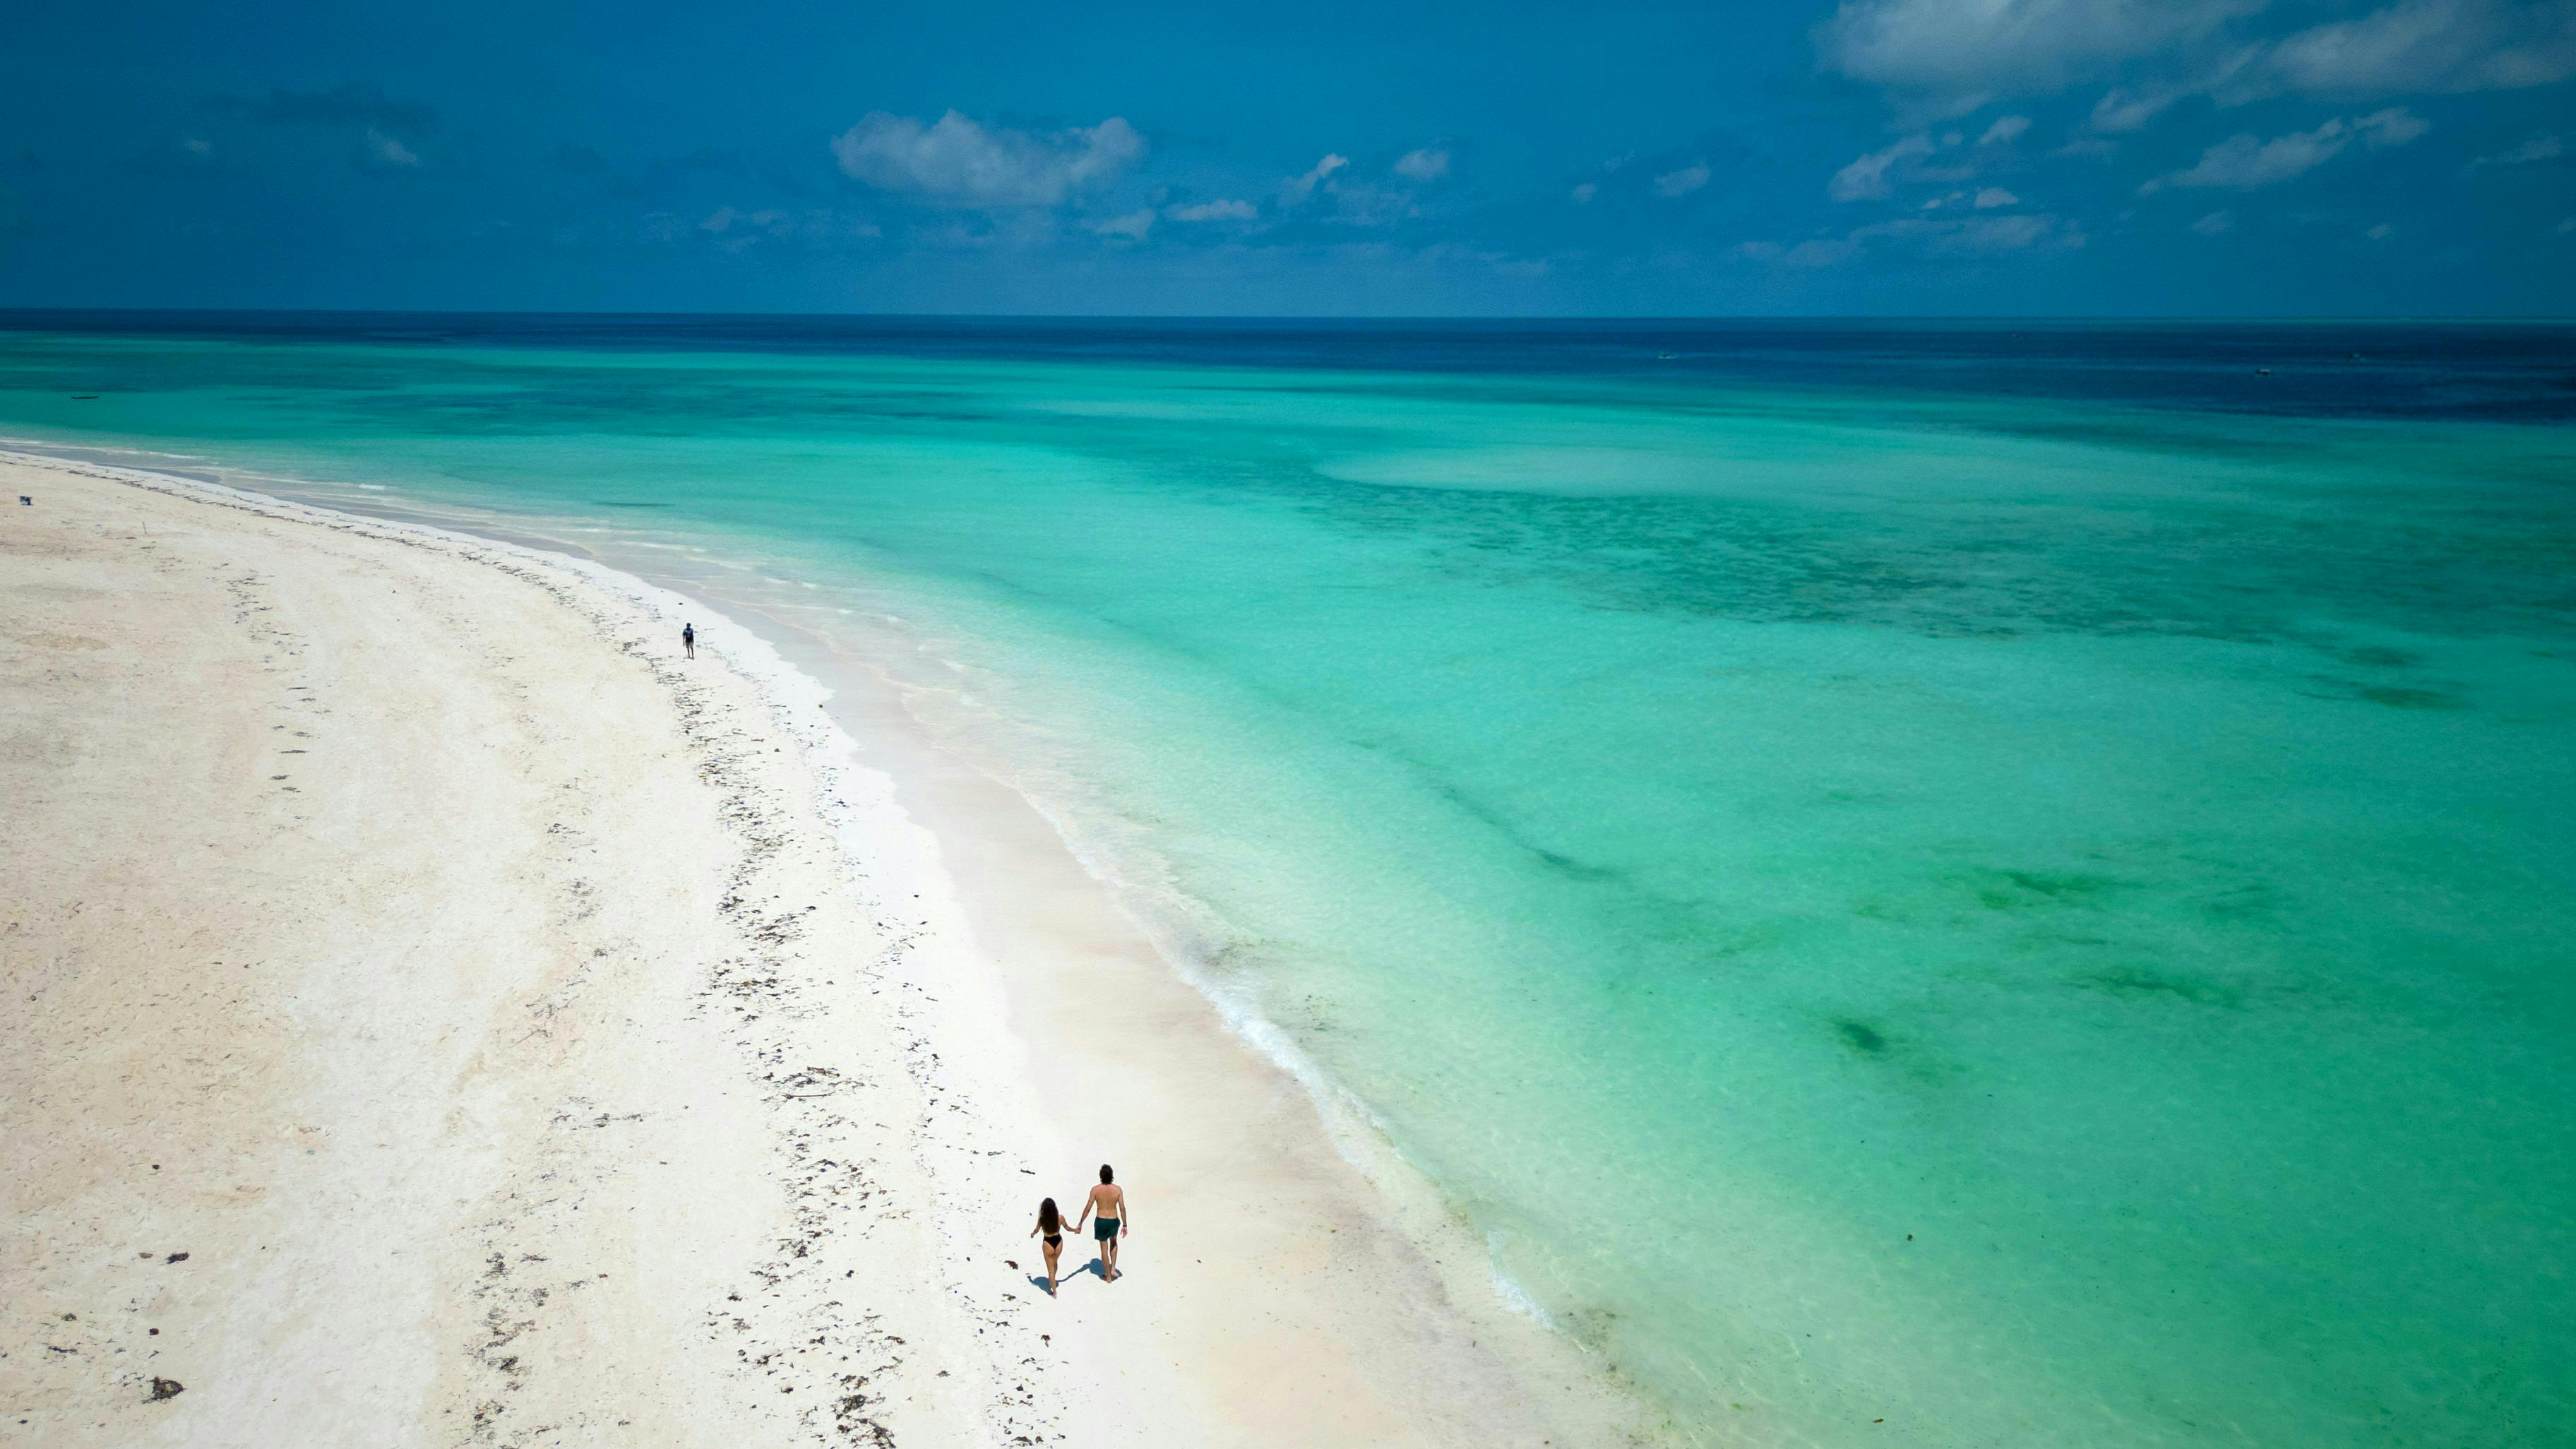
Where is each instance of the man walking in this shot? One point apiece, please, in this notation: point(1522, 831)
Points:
point(689, 640)
point(1111, 1201)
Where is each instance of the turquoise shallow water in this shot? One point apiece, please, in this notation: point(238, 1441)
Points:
point(2036, 914)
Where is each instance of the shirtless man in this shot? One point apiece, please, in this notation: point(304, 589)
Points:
point(1111, 1201)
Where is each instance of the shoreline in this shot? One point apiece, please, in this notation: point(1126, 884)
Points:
point(1000, 968)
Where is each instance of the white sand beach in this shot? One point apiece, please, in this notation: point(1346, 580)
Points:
point(439, 1013)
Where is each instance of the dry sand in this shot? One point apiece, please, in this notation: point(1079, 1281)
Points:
point(528, 1036)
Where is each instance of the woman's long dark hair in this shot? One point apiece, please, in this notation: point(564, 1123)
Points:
point(1047, 1217)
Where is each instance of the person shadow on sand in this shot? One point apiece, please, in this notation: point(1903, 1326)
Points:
point(1087, 1270)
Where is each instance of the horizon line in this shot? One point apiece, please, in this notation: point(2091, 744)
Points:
point(8, 311)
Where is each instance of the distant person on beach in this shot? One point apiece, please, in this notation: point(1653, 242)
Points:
point(1111, 1200)
point(1051, 1223)
point(689, 640)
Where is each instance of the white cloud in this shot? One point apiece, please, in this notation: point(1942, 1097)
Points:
point(1131, 225)
point(1353, 201)
point(1994, 196)
point(2538, 148)
point(1682, 182)
point(2392, 127)
point(1975, 48)
point(1866, 178)
point(2121, 109)
point(2381, 232)
point(1428, 164)
point(2005, 129)
point(195, 147)
point(2247, 161)
point(1949, 56)
point(1584, 193)
point(1213, 211)
point(1304, 186)
point(959, 162)
point(2217, 223)
point(2244, 162)
point(1977, 236)
point(387, 151)
point(2564, 227)
point(2419, 46)
point(2010, 234)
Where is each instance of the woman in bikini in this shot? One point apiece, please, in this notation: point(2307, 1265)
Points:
point(1052, 1225)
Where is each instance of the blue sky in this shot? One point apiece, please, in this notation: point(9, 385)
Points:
point(2097, 157)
